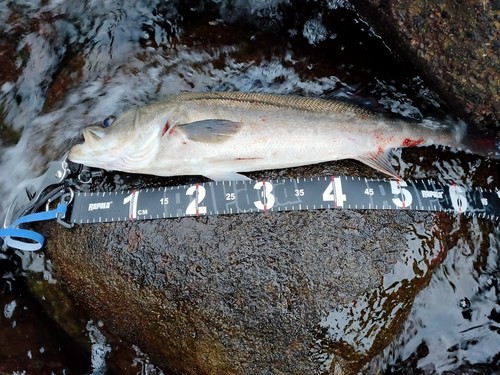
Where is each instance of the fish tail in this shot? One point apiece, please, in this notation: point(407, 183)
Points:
point(484, 143)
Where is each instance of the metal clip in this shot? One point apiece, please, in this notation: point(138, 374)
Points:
point(59, 181)
point(86, 175)
point(66, 198)
point(34, 193)
point(56, 174)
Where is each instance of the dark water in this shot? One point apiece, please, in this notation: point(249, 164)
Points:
point(70, 64)
point(30, 339)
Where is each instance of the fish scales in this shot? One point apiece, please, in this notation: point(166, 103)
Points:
point(262, 100)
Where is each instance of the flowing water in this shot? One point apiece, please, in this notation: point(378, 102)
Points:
point(68, 64)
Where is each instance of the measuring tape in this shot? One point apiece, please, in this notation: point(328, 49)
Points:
point(233, 197)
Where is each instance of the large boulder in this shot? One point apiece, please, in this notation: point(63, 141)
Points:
point(454, 44)
point(282, 292)
point(254, 293)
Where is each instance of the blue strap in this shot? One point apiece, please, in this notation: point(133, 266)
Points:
point(26, 239)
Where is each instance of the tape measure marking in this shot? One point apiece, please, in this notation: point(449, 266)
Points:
point(329, 192)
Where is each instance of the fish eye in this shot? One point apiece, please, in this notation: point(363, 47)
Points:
point(108, 121)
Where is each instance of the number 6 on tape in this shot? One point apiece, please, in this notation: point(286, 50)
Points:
point(458, 198)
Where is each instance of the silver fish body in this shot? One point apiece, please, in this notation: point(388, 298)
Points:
point(218, 135)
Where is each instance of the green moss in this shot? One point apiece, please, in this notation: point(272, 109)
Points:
point(8, 135)
point(58, 306)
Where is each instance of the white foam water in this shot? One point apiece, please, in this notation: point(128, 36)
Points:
point(99, 349)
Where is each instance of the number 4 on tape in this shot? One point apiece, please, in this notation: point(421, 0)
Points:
point(333, 193)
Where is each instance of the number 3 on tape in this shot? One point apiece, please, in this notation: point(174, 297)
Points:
point(268, 197)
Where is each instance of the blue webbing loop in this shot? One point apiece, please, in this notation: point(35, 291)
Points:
point(26, 235)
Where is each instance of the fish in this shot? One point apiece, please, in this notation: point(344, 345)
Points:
point(221, 135)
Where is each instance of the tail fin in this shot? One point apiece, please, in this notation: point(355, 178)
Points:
point(482, 142)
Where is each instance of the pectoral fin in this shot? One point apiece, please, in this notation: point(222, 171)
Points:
point(210, 131)
point(380, 162)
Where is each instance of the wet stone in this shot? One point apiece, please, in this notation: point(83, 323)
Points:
point(462, 35)
point(238, 294)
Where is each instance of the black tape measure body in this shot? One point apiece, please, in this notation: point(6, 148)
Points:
point(231, 197)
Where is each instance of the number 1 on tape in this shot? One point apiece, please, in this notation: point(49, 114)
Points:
point(132, 201)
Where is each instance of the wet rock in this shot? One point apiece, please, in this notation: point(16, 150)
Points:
point(453, 45)
point(31, 342)
point(86, 346)
point(248, 293)
point(8, 74)
point(8, 136)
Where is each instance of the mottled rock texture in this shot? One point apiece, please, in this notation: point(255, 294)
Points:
point(237, 294)
point(455, 45)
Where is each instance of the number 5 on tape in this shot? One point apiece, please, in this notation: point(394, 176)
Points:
point(398, 189)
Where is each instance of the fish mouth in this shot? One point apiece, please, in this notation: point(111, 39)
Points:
point(76, 154)
point(93, 134)
point(86, 151)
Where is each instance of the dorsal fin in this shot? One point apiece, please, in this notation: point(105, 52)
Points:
point(262, 100)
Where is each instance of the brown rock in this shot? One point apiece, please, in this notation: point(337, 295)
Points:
point(454, 45)
point(241, 294)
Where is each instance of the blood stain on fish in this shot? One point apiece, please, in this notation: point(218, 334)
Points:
point(412, 142)
point(166, 128)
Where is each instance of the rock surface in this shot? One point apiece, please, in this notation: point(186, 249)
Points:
point(454, 45)
point(238, 294)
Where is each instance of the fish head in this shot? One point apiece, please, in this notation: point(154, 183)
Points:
point(128, 144)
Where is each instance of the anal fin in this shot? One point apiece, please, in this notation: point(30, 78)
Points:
point(380, 161)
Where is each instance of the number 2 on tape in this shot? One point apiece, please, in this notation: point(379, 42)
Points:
point(194, 207)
